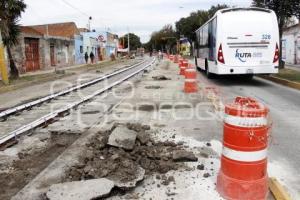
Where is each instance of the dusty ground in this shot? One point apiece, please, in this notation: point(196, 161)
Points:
point(21, 163)
point(30, 162)
point(177, 121)
point(163, 176)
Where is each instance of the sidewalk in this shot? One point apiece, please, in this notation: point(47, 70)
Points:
point(293, 67)
point(53, 69)
point(51, 74)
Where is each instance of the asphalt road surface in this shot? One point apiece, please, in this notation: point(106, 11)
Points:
point(284, 105)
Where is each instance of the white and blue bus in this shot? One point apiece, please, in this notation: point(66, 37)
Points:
point(239, 41)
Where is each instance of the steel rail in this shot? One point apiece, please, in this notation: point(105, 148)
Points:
point(13, 110)
point(56, 113)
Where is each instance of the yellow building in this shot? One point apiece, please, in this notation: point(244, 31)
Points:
point(3, 69)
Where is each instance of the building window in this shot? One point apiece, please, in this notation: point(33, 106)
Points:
point(81, 49)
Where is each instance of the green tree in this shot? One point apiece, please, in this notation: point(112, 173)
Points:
point(134, 41)
point(187, 26)
point(165, 40)
point(284, 10)
point(212, 11)
point(11, 11)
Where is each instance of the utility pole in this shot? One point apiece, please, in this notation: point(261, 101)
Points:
point(3, 68)
point(90, 18)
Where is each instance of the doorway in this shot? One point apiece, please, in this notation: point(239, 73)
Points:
point(52, 55)
point(32, 56)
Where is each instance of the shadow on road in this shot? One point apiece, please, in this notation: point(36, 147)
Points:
point(236, 80)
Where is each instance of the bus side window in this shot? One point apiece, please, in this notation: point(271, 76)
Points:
point(212, 39)
point(214, 36)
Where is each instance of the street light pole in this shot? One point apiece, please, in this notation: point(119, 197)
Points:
point(90, 18)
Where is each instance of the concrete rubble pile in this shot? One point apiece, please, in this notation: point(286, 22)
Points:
point(123, 155)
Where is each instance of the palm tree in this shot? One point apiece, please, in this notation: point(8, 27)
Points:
point(10, 13)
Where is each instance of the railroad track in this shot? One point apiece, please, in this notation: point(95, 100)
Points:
point(24, 118)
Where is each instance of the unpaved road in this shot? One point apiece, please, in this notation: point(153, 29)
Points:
point(284, 104)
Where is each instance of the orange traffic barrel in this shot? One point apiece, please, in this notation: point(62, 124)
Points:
point(171, 57)
point(243, 173)
point(180, 62)
point(190, 73)
point(182, 70)
point(190, 84)
point(184, 66)
point(176, 59)
point(185, 63)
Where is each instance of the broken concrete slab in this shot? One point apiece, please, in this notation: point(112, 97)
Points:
point(184, 156)
point(130, 184)
point(80, 190)
point(143, 137)
point(122, 137)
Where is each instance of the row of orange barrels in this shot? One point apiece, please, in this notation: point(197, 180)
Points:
point(243, 173)
point(188, 71)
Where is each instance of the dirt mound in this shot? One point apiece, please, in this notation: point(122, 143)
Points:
point(104, 161)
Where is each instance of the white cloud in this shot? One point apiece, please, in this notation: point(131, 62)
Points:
point(141, 17)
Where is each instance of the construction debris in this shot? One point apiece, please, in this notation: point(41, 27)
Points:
point(126, 165)
point(122, 137)
point(200, 167)
point(184, 156)
point(140, 173)
point(161, 78)
point(80, 190)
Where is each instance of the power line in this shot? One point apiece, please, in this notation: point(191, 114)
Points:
point(75, 8)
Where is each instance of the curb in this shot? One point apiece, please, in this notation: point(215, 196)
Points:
point(281, 81)
point(279, 192)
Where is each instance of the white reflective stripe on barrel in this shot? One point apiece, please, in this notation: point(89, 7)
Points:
point(244, 156)
point(190, 80)
point(245, 121)
point(190, 70)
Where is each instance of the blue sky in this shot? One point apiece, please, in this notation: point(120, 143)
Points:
point(119, 16)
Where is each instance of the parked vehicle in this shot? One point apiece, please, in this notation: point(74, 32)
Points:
point(239, 41)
